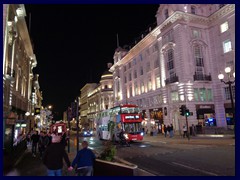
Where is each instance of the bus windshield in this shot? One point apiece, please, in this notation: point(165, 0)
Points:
point(130, 110)
point(132, 127)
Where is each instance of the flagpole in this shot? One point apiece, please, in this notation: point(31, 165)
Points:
point(117, 41)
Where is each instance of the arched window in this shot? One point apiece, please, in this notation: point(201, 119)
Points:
point(193, 9)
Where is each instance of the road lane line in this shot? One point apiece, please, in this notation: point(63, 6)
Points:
point(200, 170)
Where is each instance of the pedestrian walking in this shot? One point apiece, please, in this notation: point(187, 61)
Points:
point(53, 157)
point(171, 131)
point(84, 161)
point(43, 143)
point(34, 139)
point(193, 130)
point(185, 131)
point(165, 130)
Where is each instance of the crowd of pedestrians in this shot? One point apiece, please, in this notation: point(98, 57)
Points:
point(168, 130)
point(51, 149)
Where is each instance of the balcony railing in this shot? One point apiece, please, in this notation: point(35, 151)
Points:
point(172, 79)
point(202, 77)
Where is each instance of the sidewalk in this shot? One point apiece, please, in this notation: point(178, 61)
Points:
point(202, 139)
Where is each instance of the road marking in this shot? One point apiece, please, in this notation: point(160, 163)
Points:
point(200, 170)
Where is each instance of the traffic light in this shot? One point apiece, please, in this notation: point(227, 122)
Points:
point(187, 113)
point(182, 110)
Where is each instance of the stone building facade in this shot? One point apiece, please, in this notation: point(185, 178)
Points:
point(18, 78)
point(177, 63)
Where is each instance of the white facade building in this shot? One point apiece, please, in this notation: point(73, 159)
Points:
point(178, 63)
point(96, 98)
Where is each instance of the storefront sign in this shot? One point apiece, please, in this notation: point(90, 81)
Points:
point(10, 121)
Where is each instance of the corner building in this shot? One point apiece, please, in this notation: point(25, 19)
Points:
point(177, 63)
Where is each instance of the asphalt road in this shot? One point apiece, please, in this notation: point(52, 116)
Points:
point(170, 159)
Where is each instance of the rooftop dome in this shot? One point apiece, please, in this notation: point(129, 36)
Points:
point(106, 75)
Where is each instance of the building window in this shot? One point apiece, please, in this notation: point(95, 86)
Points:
point(209, 93)
point(166, 13)
point(134, 61)
point(141, 58)
point(227, 46)
point(196, 94)
point(193, 9)
point(224, 27)
point(149, 84)
point(202, 94)
point(106, 87)
point(148, 67)
point(170, 64)
point(142, 87)
point(141, 70)
point(130, 77)
point(158, 83)
point(130, 90)
point(124, 68)
point(174, 96)
point(129, 65)
point(136, 88)
point(125, 79)
point(198, 56)
point(196, 33)
point(227, 93)
point(135, 74)
point(156, 63)
point(168, 37)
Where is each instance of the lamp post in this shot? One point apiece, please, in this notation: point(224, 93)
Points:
point(27, 114)
point(229, 82)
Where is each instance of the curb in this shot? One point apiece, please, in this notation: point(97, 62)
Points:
point(142, 172)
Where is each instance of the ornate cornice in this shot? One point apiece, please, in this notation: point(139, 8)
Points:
point(176, 16)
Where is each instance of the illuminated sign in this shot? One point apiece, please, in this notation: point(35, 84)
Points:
point(132, 117)
point(129, 117)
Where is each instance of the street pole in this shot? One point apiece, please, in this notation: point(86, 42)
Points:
point(77, 126)
point(68, 130)
point(188, 134)
point(232, 103)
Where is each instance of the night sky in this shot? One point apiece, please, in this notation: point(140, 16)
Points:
point(74, 43)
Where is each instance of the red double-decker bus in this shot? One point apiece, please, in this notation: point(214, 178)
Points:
point(125, 117)
point(58, 128)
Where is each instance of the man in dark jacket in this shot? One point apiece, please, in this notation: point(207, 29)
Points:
point(34, 139)
point(84, 160)
point(53, 157)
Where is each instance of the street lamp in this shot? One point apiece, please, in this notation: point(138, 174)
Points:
point(229, 82)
